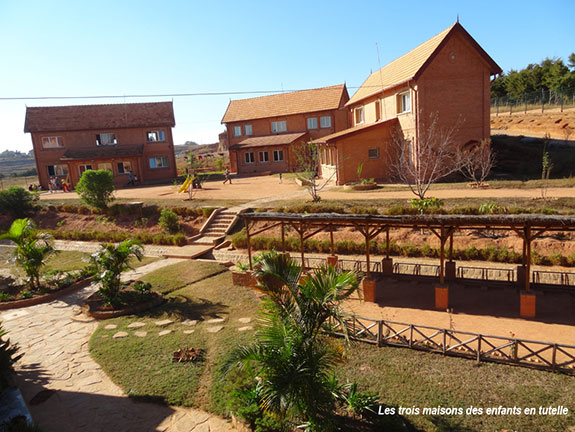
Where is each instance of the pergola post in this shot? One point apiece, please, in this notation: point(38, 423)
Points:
point(332, 259)
point(283, 239)
point(387, 262)
point(301, 239)
point(450, 264)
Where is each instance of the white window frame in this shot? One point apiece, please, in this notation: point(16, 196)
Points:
point(126, 167)
point(401, 102)
point(249, 158)
point(359, 115)
point(111, 139)
point(52, 142)
point(277, 153)
point(106, 166)
point(159, 162)
point(264, 159)
point(248, 130)
point(83, 168)
point(312, 123)
point(375, 154)
point(237, 131)
point(156, 136)
point(325, 122)
point(279, 126)
point(58, 170)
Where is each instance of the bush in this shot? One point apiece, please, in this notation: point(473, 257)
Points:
point(95, 188)
point(17, 202)
point(169, 221)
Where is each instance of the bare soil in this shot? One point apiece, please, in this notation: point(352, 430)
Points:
point(559, 125)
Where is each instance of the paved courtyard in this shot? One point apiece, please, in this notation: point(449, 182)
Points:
point(67, 391)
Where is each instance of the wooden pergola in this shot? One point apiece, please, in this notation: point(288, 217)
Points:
point(527, 227)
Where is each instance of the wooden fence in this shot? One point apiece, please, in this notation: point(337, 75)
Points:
point(479, 347)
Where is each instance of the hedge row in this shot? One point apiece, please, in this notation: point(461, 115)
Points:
point(123, 210)
point(491, 254)
point(157, 239)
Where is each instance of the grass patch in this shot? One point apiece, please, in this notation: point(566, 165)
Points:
point(403, 377)
point(143, 366)
point(177, 276)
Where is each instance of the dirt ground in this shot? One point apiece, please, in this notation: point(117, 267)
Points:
point(559, 125)
point(269, 187)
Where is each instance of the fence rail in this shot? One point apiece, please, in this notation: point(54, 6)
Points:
point(540, 100)
point(476, 346)
point(486, 273)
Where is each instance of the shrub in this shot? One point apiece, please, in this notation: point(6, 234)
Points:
point(426, 205)
point(7, 358)
point(17, 202)
point(95, 188)
point(169, 221)
point(207, 211)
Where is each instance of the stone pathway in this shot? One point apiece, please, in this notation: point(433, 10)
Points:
point(67, 391)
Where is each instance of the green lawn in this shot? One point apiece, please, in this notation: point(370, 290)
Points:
point(177, 276)
point(400, 377)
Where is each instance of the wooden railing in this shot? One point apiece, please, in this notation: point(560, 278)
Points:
point(416, 269)
point(486, 273)
point(479, 347)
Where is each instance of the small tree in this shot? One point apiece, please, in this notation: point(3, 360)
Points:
point(431, 157)
point(546, 167)
point(17, 201)
point(477, 162)
point(169, 221)
point(307, 167)
point(109, 263)
point(33, 249)
point(96, 188)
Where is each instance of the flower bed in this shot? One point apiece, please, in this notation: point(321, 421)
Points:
point(131, 302)
point(360, 186)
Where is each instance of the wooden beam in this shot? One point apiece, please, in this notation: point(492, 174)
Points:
point(283, 238)
point(331, 240)
point(387, 243)
point(265, 228)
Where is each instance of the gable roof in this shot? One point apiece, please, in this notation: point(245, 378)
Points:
point(410, 66)
point(355, 130)
point(269, 140)
point(282, 104)
point(82, 117)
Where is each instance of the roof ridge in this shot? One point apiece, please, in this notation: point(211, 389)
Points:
point(98, 105)
point(289, 92)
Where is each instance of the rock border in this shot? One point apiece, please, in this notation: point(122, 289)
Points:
point(360, 187)
point(44, 298)
point(130, 310)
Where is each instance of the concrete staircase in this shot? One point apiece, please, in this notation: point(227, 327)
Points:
point(216, 227)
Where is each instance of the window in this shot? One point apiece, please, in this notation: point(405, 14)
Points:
point(106, 139)
point(325, 122)
point(159, 162)
point(105, 166)
point(278, 155)
point(377, 110)
point(312, 123)
point(249, 157)
point(124, 167)
point(52, 142)
point(403, 103)
point(57, 170)
point(373, 153)
point(237, 131)
point(279, 126)
point(264, 156)
point(158, 135)
point(83, 168)
point(359, 115)
point(248, 130)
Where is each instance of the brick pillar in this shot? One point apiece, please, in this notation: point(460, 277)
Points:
point(527, 304)
point(369, 286)
point(387, 264)
point(332, 260)
point(450, 271)
point(441, 296)
point(521, 271)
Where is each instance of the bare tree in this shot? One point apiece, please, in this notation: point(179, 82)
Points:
point(431, 157)
point(477, 162)
point(307, 169)
point(546, 167)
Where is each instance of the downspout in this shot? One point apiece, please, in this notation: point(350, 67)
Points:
point(415, 108)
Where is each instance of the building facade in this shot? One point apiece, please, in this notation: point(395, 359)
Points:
point(263, 132)
point(129, 140)
point(446, 79)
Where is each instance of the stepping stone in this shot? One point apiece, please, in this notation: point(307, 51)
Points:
point(164, 332)
point(137, 325)
point(188, 331)
point(190, 322)
point(215, 321)
point(120, 334)
point(110, 327)
point(245, 328)
point(104, 336)
point(214, 329)
point(140, 333)
point(245, 320)
point(164, 323)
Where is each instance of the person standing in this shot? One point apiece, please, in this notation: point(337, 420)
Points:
point(228, 177)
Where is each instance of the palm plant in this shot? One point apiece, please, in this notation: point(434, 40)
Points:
point(33, 249)
point(109, 263)
point(291, 357)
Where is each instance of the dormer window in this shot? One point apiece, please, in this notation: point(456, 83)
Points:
point(157, 135)
point(106, 139)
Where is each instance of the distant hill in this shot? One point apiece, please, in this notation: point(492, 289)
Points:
point(183, 149)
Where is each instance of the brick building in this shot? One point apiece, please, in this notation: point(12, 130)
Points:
point(121, 138)
point(262, 132)
point(447, 77)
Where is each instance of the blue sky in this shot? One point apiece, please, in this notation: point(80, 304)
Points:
point(123, 47)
